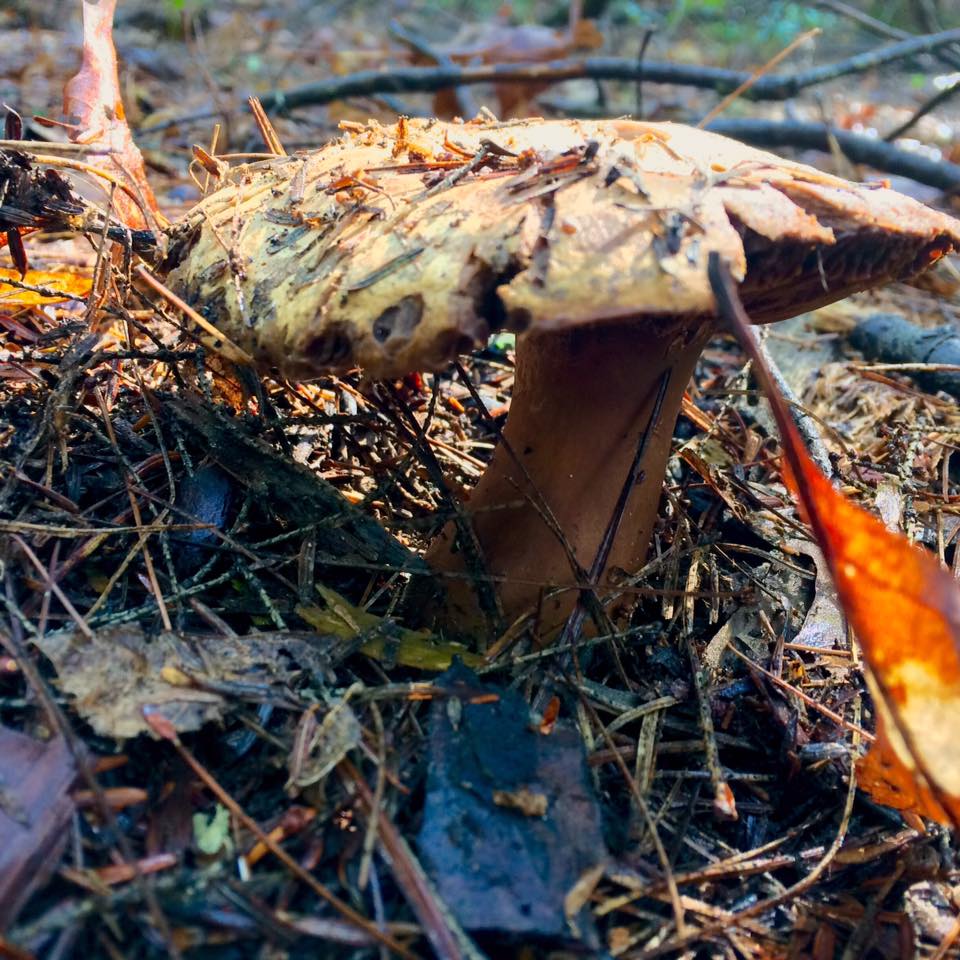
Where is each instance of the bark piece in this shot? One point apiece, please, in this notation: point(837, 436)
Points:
point(507, 833)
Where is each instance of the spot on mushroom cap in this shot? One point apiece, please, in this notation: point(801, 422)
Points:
point(359, 254)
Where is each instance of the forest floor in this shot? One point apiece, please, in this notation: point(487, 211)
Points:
point(160, 548)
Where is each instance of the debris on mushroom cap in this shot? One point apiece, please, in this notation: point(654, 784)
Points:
point(395, 248)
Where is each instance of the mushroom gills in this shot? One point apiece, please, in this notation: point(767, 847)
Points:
point(782, 275)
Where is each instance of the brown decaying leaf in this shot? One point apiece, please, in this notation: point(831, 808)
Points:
point(94, 107)
point(511, 821)
point(500, 42)
point(320, 744)
point(905, 610)
point(35, 811)
point(118, 673)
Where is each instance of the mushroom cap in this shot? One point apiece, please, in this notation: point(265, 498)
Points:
point(396, 248)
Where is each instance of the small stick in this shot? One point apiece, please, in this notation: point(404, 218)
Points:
point(52, 585)
point(805, 423)
point(923, 110)
point(267, 130)
point(52, 146)
point(137, 518)
point(439, 925)
point(212, 152)
point(724, 804)
point(806, 698)
point(668, 875)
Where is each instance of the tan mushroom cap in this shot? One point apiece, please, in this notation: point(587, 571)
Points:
point(357, 254)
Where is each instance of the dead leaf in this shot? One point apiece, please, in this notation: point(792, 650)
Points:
point(51, 283)
point(119, 672)
point(823, 626)
point(511, 823)
point(94, 107)
point(501, 42)
point(320, 746)
point(381, 638)
point(35, 812)
point(904, 609)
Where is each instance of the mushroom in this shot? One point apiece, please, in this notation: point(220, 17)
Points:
point(397, 248)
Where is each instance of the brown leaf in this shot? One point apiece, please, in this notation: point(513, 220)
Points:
point(522, 43)
point(118, 673)
point(511, 822)
point(35, 812)
point(320, 745)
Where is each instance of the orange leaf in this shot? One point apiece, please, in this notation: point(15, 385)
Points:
point(56, 286)
point(892, 782)
point(904, 608)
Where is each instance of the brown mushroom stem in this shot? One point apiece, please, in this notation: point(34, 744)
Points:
point(582, 400)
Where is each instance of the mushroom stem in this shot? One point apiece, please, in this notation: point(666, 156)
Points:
point(582, 401)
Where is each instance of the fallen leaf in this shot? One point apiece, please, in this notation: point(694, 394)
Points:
point(904, 609)
point(118, 673)
point(211, 833)
point(56, 286)
point(320, 745)
point(94, 107)
point(381, 638)
point(823, 625)
point(511, 823)
point(35, 812)
point(501, 42)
